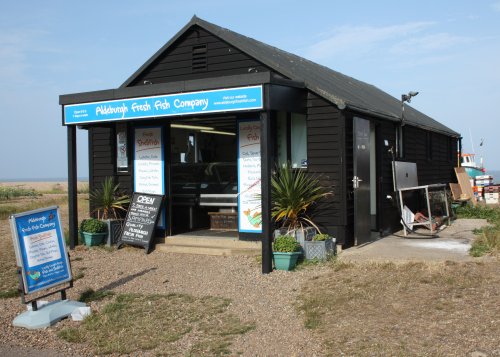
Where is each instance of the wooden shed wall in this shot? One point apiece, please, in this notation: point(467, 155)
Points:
point(102, 161)
point(179, 64)
point(325, 155)
point(388, 220)
point(434, 153)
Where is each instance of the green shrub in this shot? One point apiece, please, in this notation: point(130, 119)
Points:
point(93, 225)
point(8, 192)
point(321, 237)
point(286, 244)
point(489, 213)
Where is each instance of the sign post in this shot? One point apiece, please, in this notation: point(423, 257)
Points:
point(141, 220)
point(42, 264)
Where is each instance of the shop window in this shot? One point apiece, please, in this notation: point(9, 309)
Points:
point(299, 141)
point(121, 148)
point(292, 139)
point(199, 58)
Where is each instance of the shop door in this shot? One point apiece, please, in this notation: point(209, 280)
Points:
point(361, 181)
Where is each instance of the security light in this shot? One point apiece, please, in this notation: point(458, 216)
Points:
point(407, 97)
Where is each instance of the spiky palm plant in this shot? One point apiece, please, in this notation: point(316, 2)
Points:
point(107, 200)
point(293, 193)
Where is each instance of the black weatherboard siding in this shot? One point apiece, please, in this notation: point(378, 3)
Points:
point(180, 63)
point(325, 155)
point(102, 160)
point(434, 153)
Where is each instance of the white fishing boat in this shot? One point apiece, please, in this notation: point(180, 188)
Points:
point(471, 167)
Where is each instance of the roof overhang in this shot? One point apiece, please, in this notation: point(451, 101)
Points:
point(145, 101)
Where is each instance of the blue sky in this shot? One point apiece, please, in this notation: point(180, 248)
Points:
point(449, 51)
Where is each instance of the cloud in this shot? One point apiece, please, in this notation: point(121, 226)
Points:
point(15, 46)
point(360, 39)
point(429, 44)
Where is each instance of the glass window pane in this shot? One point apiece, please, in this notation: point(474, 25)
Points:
point(121, 148)
point(281, 136)
point(299, 141)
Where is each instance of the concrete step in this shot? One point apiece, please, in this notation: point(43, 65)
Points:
point(210, 246)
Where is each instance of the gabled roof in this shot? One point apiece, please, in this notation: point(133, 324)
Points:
point(337, 88)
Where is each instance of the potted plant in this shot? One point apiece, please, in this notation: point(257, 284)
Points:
point(93, 231)
point(293, 193)
point(108, 205)
point(320, 247)
point(286, 251)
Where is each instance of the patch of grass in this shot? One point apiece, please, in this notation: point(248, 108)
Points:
point(133, 322)
point(56, 188)
point(491, 214)
point(79, 275)
point(83, 188)
point(388, 309)
point(304, 263)
point(72, 335)
point(488, 238)
point(7, 210)
point(487, 241)
point(9, 294)
point(91, 295)
point(9, 192)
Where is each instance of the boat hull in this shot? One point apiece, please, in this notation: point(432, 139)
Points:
point(473, 172)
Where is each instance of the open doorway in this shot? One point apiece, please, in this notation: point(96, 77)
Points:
point(204, 177)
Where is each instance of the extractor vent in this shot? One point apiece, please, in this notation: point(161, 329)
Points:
point(199, 58)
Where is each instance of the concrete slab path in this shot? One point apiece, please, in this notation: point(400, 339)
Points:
point(453, 243)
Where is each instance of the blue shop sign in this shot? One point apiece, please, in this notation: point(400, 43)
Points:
point(220, 100)
point(40, 249)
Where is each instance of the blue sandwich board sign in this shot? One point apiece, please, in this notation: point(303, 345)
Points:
point(40, 249)
point(209, 101)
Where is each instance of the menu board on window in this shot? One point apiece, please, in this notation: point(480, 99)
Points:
point(249, 177)
point(148, 163)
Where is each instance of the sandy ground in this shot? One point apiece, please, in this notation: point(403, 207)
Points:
point(269, 300)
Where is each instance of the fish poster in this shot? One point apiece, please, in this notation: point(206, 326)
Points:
point(249, 177)
point(149, 165)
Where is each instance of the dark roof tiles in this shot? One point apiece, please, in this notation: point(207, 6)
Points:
point(339, 89)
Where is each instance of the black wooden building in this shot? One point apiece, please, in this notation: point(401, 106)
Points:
point(320, 120)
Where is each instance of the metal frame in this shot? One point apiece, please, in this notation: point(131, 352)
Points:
point(429, 220)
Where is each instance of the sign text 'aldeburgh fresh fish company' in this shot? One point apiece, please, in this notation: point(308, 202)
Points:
point(221, 100)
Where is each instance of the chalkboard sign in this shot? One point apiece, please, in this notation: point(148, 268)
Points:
point(141, 220)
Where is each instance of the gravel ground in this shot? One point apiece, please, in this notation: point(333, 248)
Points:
point(265, 299)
